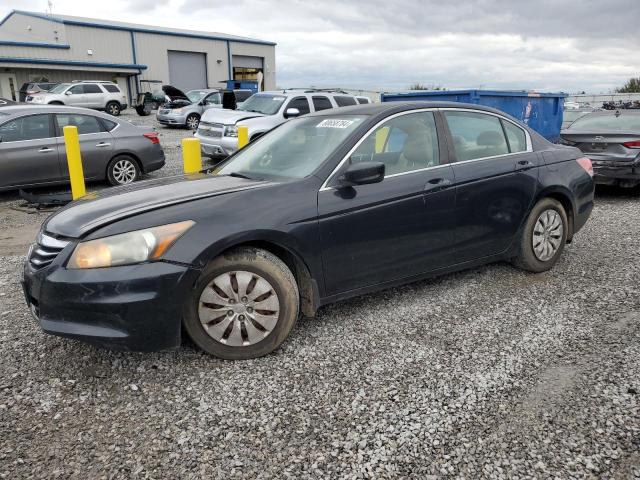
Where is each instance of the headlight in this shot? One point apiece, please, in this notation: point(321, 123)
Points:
point(128, 248)
point(230, 131)
point(176, 111)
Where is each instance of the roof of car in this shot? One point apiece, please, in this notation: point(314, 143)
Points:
point(394, 107)
point(22, 108)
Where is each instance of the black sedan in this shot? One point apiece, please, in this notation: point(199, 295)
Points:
point(325, 207)
point(611, 139)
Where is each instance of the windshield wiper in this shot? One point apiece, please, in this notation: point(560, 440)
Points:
point(240, 175)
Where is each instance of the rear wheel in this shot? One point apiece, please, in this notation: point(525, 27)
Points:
point(123, 170)
point(193, 121)
point(113, 108)
point(243, 306)
point(543, 237)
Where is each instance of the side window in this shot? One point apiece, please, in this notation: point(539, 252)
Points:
point(363, 100)
point(212, 99)
point(476, 135)
point(301, 103)
point(405, 143)
point(516, 137)
point(321, 103)
point(33, 127)
point(76, 89)
point(85, 123)
point(110, 88)
point(92, 88)
point(345, 101)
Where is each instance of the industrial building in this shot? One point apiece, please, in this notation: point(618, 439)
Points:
point(62, 48)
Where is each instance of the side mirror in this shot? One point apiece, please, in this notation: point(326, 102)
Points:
point(291, 113)
point(362, 174)
point(68, 92)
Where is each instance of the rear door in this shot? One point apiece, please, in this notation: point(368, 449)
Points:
point(398, 228)
point(94, 95)
point(96, 144)
point(496, 178)
point(28, 153)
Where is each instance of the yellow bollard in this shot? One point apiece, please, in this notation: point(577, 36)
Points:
point(381, 138)
point(191, 155)
point(74, 161)
point(243, 136)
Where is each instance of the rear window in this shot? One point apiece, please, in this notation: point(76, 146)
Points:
point(345, 101)
point(623, 122)
point(111, 88)
point(91, 88)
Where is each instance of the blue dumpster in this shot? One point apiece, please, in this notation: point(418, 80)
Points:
point(541, 111)
point(242, 85)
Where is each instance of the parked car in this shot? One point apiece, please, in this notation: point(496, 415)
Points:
point(571, 115)
point(34, 87)
point(262, 112)
point(94, 94)
point(232, 99)
point(33, 152)
point(325, 207)
point(611, 139)
point(185, 109)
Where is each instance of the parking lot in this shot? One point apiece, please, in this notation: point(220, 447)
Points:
point(490, 372)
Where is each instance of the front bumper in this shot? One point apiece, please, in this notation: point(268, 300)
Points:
point(217, 147)
point(135, 307)
point(172, 119)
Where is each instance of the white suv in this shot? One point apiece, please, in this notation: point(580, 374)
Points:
point(98, 95)
point(261, 112)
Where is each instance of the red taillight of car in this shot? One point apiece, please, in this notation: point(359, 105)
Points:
point(585, 163)
point(632, 144)
point(153, 137)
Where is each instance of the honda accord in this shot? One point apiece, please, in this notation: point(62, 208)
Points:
point(325, 207)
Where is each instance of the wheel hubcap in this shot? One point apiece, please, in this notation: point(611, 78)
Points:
point(113, 109)
point(192, 123)
point(124, 172)
point(238, 308)
point(547, 235)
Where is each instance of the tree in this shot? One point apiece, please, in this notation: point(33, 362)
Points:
point(632, 86)
point(422, 86)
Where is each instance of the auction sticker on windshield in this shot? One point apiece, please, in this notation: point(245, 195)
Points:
point(334, 123)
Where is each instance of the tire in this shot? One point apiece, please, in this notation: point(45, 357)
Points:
point(113, 108)
point(123, 170)
point(143, 110)
point(192, 121)
point(543, 222)
point(237, 328)
point(56, 103)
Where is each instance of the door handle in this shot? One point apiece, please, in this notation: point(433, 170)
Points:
point(524, 164)
point(436, 184)
point(45, 150)
point(103, 144)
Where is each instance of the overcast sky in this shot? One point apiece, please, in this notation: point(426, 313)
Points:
point(546, 45)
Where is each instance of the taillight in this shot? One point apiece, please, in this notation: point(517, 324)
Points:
point(632, 144)
point(585, 163)
point(153, 137)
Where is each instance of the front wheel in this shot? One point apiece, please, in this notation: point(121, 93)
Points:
point(193, 121)
point(243, 306)
point(543, 237)
point(122, 170)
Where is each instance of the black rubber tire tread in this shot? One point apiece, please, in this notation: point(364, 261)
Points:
point(270, 267)
point(110, 177)
point(526, 258)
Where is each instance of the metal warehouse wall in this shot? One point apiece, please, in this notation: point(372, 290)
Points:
point(42, 31)
point(268, 52)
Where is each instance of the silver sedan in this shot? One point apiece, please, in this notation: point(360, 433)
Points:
point(32, 150)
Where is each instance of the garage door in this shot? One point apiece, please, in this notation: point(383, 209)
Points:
point(187, 70)
point(247, 62)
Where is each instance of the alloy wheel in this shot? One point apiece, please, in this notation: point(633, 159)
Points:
point(547, 235)
point(239, 308)
point(124, 171)
point(113, 110)
point(193, 122)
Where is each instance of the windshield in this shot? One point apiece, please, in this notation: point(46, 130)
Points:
point(624, 122)
point(293, 150)
point(60, 88)
point(195, 96)
point(263, 103)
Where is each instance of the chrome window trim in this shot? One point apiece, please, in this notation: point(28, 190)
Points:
point(325, 186)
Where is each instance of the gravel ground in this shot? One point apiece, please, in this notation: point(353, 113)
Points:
point(490, 373)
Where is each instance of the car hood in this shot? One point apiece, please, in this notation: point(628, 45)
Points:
point(228, 117)
point(174, 93)
point(99, 209)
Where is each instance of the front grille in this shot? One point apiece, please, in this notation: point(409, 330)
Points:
point(210, 129)
point(45, 251)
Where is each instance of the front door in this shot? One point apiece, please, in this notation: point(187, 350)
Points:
point(96, 144)
point(8, 86)
point(496, 179)
point(399, 227)
point(75, 96)
point(28, 154)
